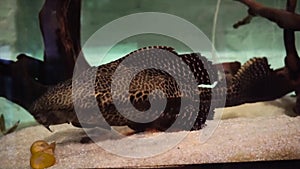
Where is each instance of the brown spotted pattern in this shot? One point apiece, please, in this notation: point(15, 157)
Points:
point(94, 92)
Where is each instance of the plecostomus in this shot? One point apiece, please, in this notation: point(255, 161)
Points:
point(150, 88)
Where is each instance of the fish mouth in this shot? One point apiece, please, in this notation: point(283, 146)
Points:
point(43, 121)
point(50, 118)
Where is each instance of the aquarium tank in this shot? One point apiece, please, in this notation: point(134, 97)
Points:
point(140, 83)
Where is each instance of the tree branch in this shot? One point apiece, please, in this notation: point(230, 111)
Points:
point(18, 80)
point(292, 61)
point(25, 80)
point(290, 22)
point(60, 26)
point(283, 18)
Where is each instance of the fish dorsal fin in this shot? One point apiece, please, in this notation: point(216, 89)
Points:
point(203, 70)
point(170, 49)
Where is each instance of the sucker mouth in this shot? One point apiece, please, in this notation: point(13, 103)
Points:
point(39, 118)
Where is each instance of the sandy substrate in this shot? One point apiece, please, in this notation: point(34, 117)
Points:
point(250, 132)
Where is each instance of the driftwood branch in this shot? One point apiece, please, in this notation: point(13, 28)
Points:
point(284, 19)
point(60, 26)
point(19, 80)
point(290, 22)
point(292, 60)
point(244, 21)
point(26, 79)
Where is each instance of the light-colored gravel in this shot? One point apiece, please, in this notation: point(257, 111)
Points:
point(272, 133)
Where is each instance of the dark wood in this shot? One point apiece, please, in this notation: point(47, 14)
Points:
point(19, 80)
point(60, 26)
point(283, 18)
point(292, 60)
point(26, 79)
point(289, 21)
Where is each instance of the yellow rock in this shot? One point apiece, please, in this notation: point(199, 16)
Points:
point(42, 154)
point(40, 160)
point(41, 145)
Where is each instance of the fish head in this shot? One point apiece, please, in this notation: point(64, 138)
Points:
point(55, 106)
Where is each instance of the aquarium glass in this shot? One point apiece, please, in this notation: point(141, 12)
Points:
point(20, 34)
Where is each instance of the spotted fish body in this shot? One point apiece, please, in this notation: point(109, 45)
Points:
point(93, 92)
